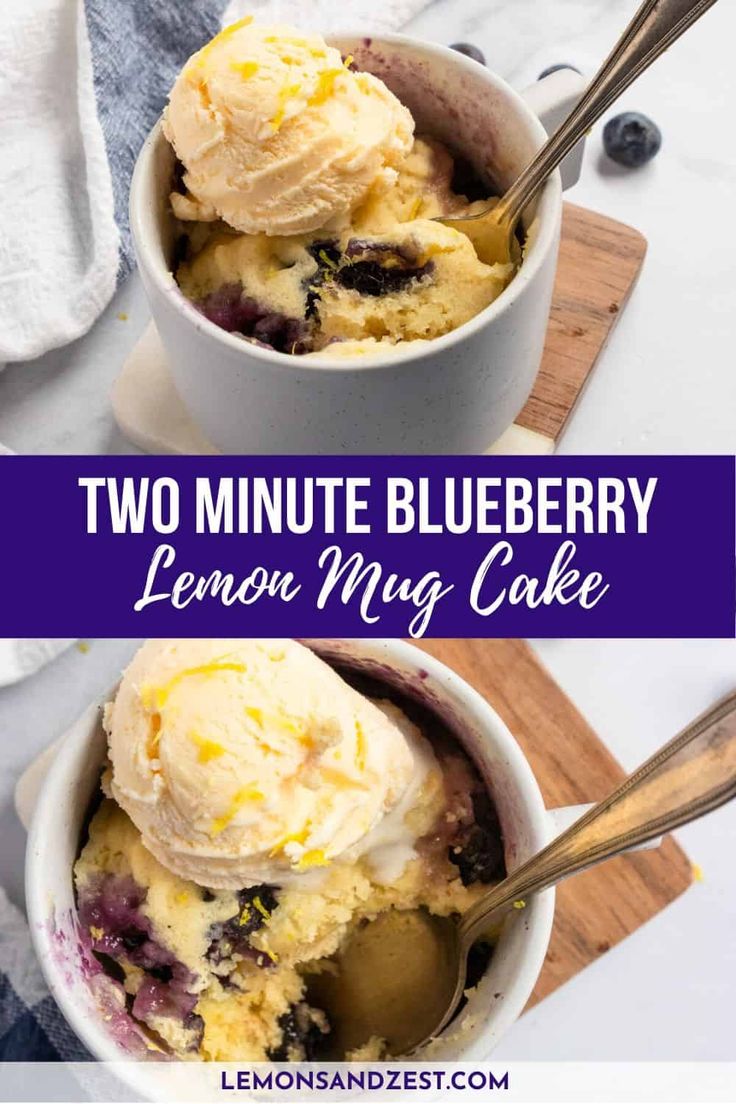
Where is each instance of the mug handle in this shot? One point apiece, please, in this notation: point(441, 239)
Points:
point(552, 100)
point(563, 818)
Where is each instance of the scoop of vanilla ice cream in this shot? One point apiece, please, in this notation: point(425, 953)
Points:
point(250, 761)
point(276, 134)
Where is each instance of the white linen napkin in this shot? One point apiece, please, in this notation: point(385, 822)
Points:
point(21, 658)
point(58, 238)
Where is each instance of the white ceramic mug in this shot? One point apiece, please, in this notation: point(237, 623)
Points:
point(73, 777)
point(456, 395)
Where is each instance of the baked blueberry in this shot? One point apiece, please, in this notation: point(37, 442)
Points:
point(478, 851)
point(631, 139)
point(304, 1033)
point(228, 309)
point(165, 998)
point(110, 910)
point(232, 936)
point(327, 256)
point(232, 310)
point(379, 268)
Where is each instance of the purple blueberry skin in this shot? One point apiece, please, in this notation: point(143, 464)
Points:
point(112, 905)
point(470, 51)
point(235, 312)
point(232, 936)
point(110, 910)
point(478, 850)
point(371, 278)
point(631, 139)
point(299, 1031)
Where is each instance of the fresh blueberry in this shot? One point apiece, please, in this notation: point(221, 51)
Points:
point(556, 69)
point(470, 51)
point(631, 139)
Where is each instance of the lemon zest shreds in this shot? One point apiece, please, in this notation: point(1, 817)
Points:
point(240, 798)
point(246, 69)
point(208, 749)
point(225, 33)
point(312, 858)
point(288, 92)
point(155, 697)
point(360, 749)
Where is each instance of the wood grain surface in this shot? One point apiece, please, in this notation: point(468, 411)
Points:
point(600, 260)
point(597, 909)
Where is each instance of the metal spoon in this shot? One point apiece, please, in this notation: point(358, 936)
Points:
point(656, 25)
point(401, 977)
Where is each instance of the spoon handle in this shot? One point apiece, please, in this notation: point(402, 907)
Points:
point(656, 25)
point(691, 775)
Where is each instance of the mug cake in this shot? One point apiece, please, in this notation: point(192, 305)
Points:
point(258, 807)
point(305, 202)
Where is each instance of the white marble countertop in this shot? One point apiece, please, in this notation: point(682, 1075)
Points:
point(665, 384)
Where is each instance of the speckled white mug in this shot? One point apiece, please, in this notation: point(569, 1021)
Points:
point(73, 777)
point(456, 395)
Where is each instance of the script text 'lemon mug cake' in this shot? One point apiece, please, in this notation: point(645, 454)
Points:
point(283, 214)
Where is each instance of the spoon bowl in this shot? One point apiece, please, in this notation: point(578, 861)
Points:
point(393, 979)
point(492, 234)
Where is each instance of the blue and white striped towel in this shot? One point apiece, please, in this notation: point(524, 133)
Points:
point(81, 84)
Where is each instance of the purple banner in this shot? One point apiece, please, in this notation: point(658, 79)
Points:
point(367, 546)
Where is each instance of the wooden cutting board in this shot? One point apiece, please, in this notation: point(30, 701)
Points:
point(600, 260)
point(597, 909)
